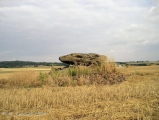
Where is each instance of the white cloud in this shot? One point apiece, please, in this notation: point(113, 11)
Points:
point(53, 28)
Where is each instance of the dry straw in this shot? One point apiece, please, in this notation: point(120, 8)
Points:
point(124, 101)
point(136, 98)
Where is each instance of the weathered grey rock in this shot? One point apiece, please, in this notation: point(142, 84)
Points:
point(83, 59)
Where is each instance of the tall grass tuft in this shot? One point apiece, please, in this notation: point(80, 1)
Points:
point(108, 66)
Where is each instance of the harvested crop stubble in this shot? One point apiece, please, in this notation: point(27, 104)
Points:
point(136, 98)
point(124, 101)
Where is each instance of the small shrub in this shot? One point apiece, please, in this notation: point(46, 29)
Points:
point(85, 71)
point(73, 71)
point(79, 71)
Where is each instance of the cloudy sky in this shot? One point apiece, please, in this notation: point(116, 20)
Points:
point(43, 30)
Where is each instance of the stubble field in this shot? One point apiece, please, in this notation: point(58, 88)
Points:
point(22, 97)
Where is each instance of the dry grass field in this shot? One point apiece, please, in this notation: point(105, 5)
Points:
point(29, 94)
point(6, 72)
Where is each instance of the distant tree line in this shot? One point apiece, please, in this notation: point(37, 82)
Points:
point(19, 64)
point(138, 63)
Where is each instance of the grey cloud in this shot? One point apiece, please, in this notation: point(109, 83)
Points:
point(44, 30)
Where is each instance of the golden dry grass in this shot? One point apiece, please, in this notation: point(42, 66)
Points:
point(23, 77)
point(135, 99)
point(7, 72)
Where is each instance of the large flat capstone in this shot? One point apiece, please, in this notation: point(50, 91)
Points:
point(83, 59)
